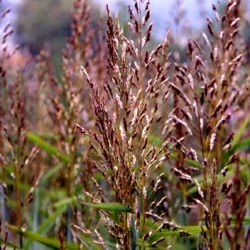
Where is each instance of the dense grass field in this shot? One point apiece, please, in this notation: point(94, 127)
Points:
point(127, 144)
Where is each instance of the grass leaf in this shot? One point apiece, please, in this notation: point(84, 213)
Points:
point(117, 207)
point(48, 223)
point(47, 147)
point(52, 243)
point(240, 131)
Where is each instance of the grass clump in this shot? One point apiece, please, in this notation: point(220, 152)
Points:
point(126, 147)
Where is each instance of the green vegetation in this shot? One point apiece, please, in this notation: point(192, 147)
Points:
point(128, 145)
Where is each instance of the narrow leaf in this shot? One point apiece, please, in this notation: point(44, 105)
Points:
point(47, 224)
point(47, 147)
point(240, 132)
point(117, 207)
point(52, 243)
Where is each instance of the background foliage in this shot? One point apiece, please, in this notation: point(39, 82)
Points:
point(124, 143)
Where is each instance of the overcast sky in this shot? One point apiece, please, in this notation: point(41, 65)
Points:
point(162, 12)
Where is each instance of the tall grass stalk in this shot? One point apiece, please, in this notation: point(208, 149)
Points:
point(131, 145)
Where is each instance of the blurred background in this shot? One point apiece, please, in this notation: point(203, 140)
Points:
point(38, 24)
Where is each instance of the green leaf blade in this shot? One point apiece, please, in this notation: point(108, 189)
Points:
point(47, 147)
point(116, 207)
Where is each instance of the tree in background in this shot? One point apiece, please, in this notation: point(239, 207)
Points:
point(43, 22)
point(46, 23)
